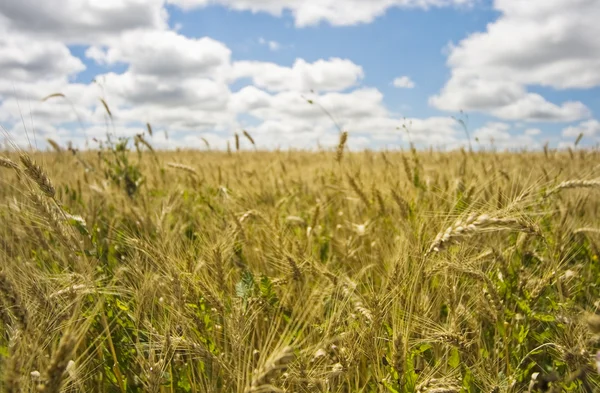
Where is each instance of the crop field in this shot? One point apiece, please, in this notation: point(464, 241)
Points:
point(128, 269)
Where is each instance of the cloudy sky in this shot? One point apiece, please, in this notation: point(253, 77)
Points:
point(388, 71)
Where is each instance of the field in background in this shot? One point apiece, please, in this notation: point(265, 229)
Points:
point(139, 271)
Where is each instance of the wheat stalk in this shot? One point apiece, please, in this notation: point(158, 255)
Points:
point(399, 359)
point(8, 163)
point(12, 298)
point(339, 154)
point(587, 230)
point(58, 365)
point(249, 137)
point(456, 339)
point(106, 108)
point(380, 202)
point(358, 190)
point(439, 385)
point(154, 376)
point(53, 214)
point(296, 272)
point(35, 173)
point(593, 322)
point(183, 167)
point(140, 138)
point(205, 142)
point(54, 145)
point(573, 184)
point(474, 224)
point(274, 365)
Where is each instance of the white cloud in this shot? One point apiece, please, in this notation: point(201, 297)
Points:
point(141, 89)
point(381, 131)
point(288, 118)
point(322, 75)
point(404, 82)
point(31, 69)
point(533, 107)
point(182, 84)
point(52, 112)
point(82, 21)
point(552, 44)
point(438, 132)
point(312, 12)
point(498, 135)
point(492, 130)
point(533, 131)
point(37, 139)
point(502, 98)
point(347, 107)
point(172, 81)
point(166, 54)
point(181, 118)
point(274, 46)
point(588, 128)
point(38, 60)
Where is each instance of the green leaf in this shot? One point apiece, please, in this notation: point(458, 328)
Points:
point(454, 360)
point(544, 317)
point(524, 307)
point(79, 224)
point(266, 290)
point(389, 387)
point(523, 332)
point(245, 287)
point(122, 305)
point(469, 382)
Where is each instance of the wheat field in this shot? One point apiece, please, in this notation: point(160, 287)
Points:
point(127, 269)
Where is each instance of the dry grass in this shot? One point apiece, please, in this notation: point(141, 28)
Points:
point(326, 271)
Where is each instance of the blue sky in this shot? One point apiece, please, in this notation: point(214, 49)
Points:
point(525, 73)
point(401, 42)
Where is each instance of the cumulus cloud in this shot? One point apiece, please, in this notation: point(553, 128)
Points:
point(312, 12)
point(437, 131)
point(533, 131)
point(506, 99)
point(273, 45)
point(403, 82)
point(533, 107)
point(82, 21)
point(289, 105)
point(140, 89)
point(323, 75)
point(27, 60)
point(587, 128)
point(182, 85)
point(32, 69)
point(381, 131)
point(52, 112)
point(165, 54)
point(289, 118)
point(498, 135)
point(552, 44)
point(171, 81)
